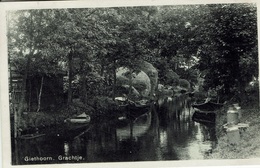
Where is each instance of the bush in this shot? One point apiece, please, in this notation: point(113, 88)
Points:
point(184, 83)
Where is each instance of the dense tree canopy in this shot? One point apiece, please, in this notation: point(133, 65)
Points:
point(229, 48)
point(215, 42)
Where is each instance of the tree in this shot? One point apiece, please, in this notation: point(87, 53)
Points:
point(175, 37)
point(123, 42)
point(24, 42)
point(231, 37)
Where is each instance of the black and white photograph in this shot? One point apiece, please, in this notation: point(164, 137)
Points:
point(130, 84)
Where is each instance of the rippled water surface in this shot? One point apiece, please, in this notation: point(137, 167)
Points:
point(165, 133)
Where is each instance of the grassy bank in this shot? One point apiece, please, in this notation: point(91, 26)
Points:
point(47, 119)
point(101, 106)
point(248, 146)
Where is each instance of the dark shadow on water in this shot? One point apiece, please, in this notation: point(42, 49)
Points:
point(165, 133)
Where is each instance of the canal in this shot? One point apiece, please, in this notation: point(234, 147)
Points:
point(165, 133)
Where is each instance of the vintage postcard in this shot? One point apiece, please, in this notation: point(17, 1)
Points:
point(118, 83)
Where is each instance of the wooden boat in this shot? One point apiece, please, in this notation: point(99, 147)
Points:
point(75, 126)
point(130, 110)
point(138, 108)
point(121, 99)
point(80, 119)
point(126, 104)
point(208, 106)
point(205, 117)
point(206, 112)
point(139, 105)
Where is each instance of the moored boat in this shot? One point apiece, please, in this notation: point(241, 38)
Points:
point(122, 103)
point(208, 106)
point(75, 126)
point(139, 105)
point(206, 112)
point(207, 117)
point(80, 119)
point(132, 109)
point(137, 108)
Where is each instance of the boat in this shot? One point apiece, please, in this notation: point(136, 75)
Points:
point(130, 110)
point(122, 103)
point(208, 106)
point(205, 117)
point(139, 105)
point(137, 108)
point(127, 104)
point(121, 99)
point(75, 126)
point(80, 119)
point(206, 112)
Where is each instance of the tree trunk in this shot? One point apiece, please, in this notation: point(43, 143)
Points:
point(241, 89)
point(30, 97)
point(237, 71)
point(21, 106)
point(84, 90)
point(40, 96)
point(37, 93)
point(22, 103)
point(70, 64)
point(130, 84)
point(114, 83)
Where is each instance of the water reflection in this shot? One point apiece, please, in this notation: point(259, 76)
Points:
point(167, 133)
point(66, 148)
point(188, 139)
point(135, 129)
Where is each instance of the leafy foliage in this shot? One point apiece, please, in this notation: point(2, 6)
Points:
point(215, 42)
point(225, 55)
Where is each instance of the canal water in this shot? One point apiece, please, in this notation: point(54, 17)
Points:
point(165, 133)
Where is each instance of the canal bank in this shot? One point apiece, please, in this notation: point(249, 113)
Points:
point(161, 134)
point(32, 122)
point(248, 145)
point(173, 133)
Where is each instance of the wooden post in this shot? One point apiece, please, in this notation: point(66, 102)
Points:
point(233, 135)
point(232, 116)
point(238, 108)
point(70, 64)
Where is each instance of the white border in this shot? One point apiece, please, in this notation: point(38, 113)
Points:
point(109, 3)
point(4, 103)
